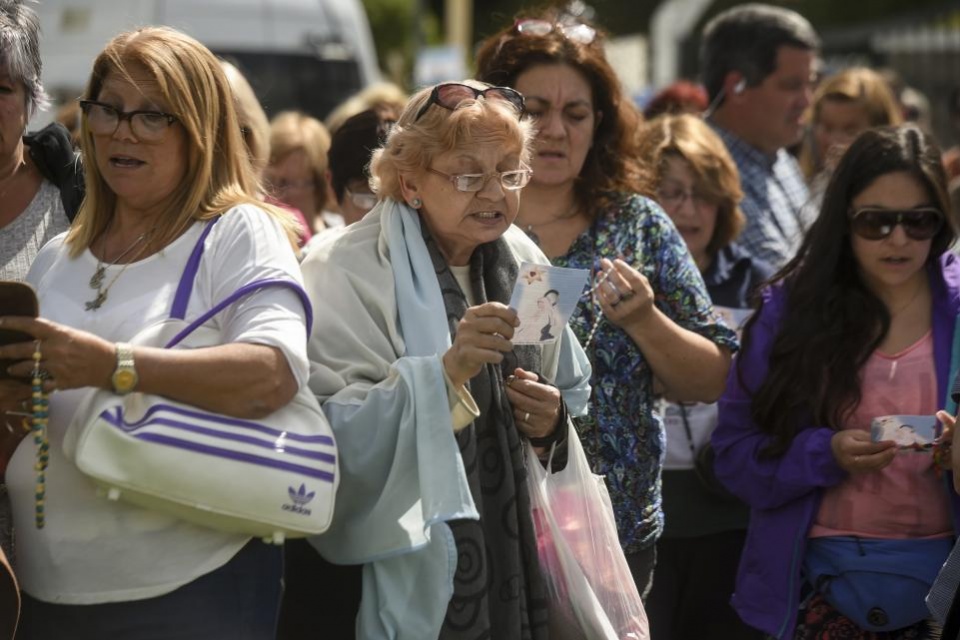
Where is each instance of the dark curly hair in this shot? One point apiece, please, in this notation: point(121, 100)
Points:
point(832, 321)
point(613, 162)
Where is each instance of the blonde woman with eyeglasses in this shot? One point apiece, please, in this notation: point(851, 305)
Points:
point(164, 159)
point(429, 398)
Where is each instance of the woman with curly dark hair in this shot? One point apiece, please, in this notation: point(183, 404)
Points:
point(652, 317)
point(855, 331)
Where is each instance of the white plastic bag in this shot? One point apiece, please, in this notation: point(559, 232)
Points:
point(591, 590)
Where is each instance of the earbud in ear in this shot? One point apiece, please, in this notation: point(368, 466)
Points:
point(740, 86)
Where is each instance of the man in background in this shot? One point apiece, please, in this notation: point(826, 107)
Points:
point(757, 63)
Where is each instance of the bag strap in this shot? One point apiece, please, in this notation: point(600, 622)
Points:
point(241, 293)
point(181, 299)
point(185, 289)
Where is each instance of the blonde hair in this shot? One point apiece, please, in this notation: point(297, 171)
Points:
point(219, 175)
point(412, 145)
point(858, 85)
point(693, 141)
point(253, 120)
point(293, 131)
point(377, 96)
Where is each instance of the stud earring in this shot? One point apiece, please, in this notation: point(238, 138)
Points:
point(416, 203)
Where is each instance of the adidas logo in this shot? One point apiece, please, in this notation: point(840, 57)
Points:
point(300, 499)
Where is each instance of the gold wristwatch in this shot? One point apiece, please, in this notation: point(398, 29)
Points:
point(124, 377)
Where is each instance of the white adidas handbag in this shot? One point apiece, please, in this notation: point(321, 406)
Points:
point(273, 478)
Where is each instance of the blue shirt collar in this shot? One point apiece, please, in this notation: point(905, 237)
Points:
point(743, 151)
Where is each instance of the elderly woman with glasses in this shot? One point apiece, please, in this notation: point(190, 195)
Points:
point(164, 160)
point(856, 331)
point(430, 401)
point(652, 319)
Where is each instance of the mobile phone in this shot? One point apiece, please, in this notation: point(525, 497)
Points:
point(16, 299)
point(909, 432)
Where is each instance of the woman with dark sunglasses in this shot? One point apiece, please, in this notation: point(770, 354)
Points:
point(858, 327)
point(585, 209)
point(430, 400)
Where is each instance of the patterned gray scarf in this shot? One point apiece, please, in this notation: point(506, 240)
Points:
point(499, 592)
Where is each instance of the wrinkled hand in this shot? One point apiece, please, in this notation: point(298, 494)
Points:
point(855, 452)
point(71, 358)
point(536, 406)
point(14, 397)
point(626, 296)
point(483, 336)
point(13, 394)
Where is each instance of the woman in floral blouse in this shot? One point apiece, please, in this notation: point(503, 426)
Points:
point(651, 319)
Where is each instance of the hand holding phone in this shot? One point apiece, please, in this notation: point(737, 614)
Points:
point(16, 299)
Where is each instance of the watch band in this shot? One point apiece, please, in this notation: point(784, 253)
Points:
point(124, 355)
point(124, 378)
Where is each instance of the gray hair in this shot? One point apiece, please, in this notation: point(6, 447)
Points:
point(746, 39)
point(20, 51)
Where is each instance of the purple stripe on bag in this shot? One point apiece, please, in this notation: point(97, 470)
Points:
point(240, 293)
point(219, 452)
point(185, 288)
point(119, 420)
point(224, 435)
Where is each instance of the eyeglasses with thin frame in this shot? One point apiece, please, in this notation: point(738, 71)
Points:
point(513, 180)
point(450, 95)
point(360, 199)
point(146, 125)
point(671, 196)
point(574, 31)
point(875, 223)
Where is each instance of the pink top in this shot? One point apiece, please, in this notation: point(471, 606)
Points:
point(905, 499)
point(305, 232)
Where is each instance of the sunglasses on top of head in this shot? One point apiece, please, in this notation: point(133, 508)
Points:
point(874, 223)
point(450, 95)
point(571, 30)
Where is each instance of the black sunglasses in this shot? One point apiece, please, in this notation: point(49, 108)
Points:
point(872, 223)
point(449, 95)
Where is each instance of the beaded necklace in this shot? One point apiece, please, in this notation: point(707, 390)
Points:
point(37, 424)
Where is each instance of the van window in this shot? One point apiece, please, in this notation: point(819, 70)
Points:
point(285, 81)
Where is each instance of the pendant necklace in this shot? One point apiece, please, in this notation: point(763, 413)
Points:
point(96, 280)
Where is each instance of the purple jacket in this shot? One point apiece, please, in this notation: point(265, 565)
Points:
point(784, 493)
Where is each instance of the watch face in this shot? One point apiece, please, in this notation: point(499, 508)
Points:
point(124, 380)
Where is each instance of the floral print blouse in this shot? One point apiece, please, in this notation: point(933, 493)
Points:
point(622, 433)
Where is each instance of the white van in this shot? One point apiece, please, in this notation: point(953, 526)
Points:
point(297, 54)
